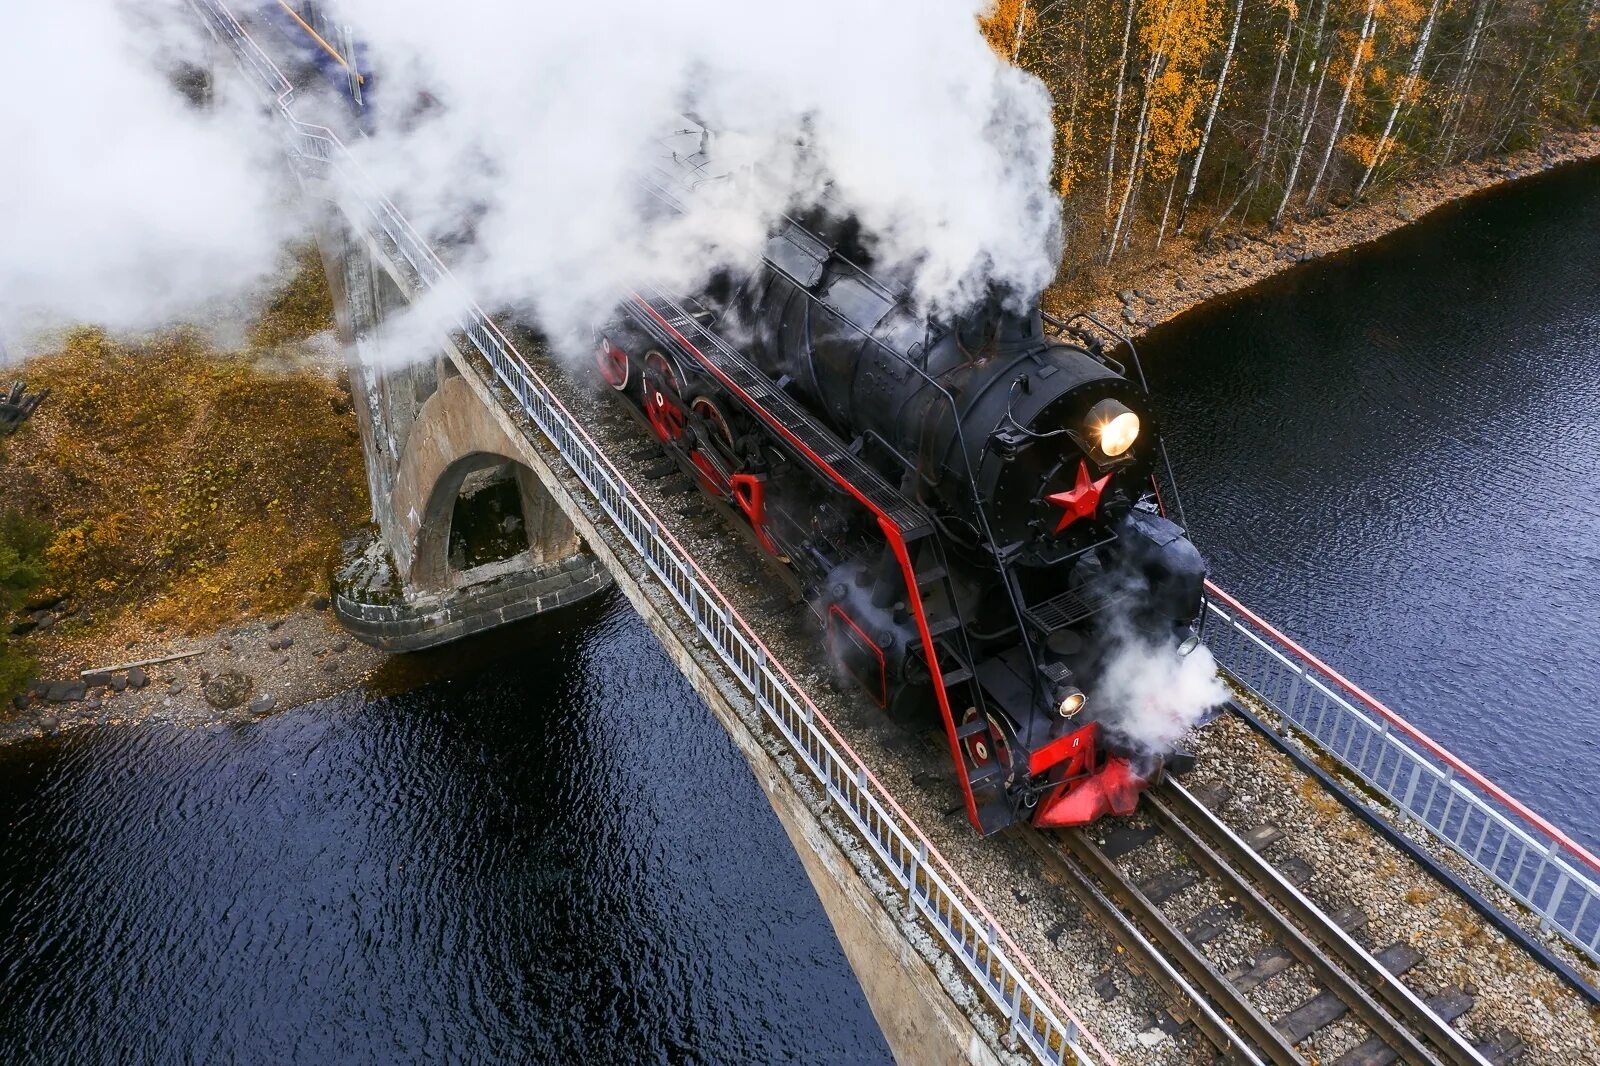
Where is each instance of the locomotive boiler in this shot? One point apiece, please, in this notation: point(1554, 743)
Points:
point(968, 505)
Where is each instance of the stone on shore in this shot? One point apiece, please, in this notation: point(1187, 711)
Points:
point(227, 690)
point(65, 691)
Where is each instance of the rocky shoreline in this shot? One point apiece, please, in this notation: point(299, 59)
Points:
point(1189, 273)
point(236, 674)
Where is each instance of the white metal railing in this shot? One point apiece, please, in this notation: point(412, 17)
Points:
point(1035, 1017)
point(1439, 795)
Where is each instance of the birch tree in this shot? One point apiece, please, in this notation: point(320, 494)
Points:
point(1312, 105)
point(1211, 119)
point(1403, 95)
point(1116, 107)
point(1457, 100)
point(1356, 59)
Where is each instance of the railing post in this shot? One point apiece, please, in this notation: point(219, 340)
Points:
point(1010, 1040)
point(918, 859)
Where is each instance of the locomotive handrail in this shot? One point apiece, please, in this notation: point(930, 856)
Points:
point(1035, 1016)
point(1450, 801)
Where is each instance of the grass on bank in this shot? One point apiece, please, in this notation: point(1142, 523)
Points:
point(184, 487)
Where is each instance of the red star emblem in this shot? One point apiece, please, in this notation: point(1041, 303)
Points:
point(1080, 501)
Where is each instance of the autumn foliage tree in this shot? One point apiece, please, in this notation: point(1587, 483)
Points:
point(1193, 114)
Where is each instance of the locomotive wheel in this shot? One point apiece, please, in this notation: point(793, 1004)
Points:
point(711, 480)
point(661, 404)
point(661, 365)
point(987, 747)
point(664, 412)
point(614, 365)
point(707, 409)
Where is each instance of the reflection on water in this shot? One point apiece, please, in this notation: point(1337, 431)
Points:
point(1395, 455)
point(560, 858)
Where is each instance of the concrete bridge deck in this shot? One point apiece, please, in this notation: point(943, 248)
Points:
point(969, 950)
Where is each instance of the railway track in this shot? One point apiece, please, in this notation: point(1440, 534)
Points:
point(1135, 875)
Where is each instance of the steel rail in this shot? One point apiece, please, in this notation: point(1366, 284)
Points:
point(1131, 901)
point(1228, 858)
point(1147, 957)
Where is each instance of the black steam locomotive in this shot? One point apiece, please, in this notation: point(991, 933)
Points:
point(969, 505)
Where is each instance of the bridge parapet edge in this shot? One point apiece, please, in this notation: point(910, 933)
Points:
point(1428, 794)
point(1033, 1016)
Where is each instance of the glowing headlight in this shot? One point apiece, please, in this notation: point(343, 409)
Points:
point(1115, 427)
point(1072, 703)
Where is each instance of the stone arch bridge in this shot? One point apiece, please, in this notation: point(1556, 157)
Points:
point(464, 534)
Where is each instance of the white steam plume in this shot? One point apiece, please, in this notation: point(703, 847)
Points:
point(120, 203)
point(544, 117)
point(1156, 694)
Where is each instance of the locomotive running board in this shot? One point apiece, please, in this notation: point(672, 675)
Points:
point(901, 520)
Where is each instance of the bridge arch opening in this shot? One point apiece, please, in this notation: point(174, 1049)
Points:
point(487, 515)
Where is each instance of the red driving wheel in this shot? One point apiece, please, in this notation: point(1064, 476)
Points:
point(660, 365)
point(661, 405)
point(711, 479)
point(613, 363)
point(984, 748)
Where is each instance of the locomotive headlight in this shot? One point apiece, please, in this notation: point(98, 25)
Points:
point(1071, 703)
point(1115, 427)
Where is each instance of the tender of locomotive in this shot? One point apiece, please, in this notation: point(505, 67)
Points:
point(969, 506)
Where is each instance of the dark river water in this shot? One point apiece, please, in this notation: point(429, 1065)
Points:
point(558, 857)
point(1394, 455)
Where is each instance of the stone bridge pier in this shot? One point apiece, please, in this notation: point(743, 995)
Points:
point(464, 536)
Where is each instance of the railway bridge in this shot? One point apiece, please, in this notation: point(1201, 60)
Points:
point(504, 485)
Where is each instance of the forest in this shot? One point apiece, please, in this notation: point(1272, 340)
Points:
point(1186, 116)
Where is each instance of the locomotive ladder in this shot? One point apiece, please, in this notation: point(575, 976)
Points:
point(904, 524)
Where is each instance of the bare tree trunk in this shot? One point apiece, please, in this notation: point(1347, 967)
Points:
point(1133, 175)
point(1400, 100)
point(1463, 81)
point(1161, 232)
point(1143, 127)
point(1312, 104)
point(1069, 145)
point(1116, 110)
point(1016, 35)
point(1211, 118)
point(1344, 100)
point(1272, 94)
point(1245, 187)
point(1507, 115)
point(1269, 146)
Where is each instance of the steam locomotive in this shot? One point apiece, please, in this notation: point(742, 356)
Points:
point(969, 505)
